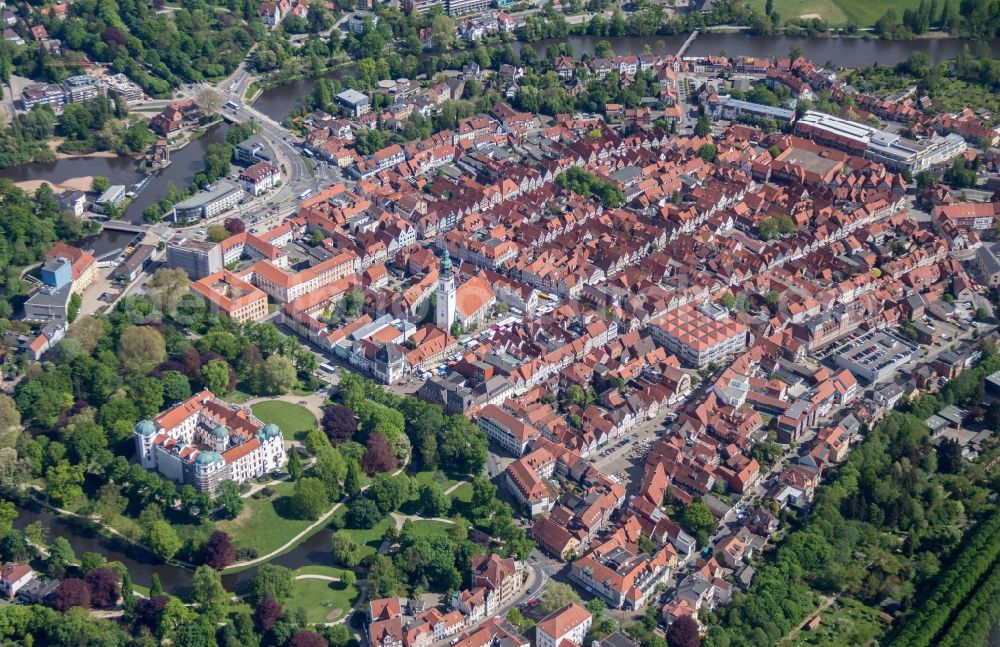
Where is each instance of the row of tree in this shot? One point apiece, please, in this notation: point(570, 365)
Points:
point(978, 557)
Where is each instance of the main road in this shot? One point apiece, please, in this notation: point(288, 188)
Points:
point(298, 174)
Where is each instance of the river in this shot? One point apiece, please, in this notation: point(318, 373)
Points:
point(185, 163)
point(843, 52)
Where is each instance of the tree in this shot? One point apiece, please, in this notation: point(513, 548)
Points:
point(383, 579)
point(166, 288)
point(155, 588)
point(104, 587)
point(267, 613)
point(61, 556)
point(272, 581)
point(127, 594)
point(227, 497)
point(216, 233)
point(149, 611)
point(10, 417)
point(73, 309)
point(442, 31)
point(162, 539)
point(363, 514)
point(331, 469)
point(139, 347)
point(698, 519)
point(707, 152)
point(216, 376)
point(390, 492)
point(8, 514)
point(63, 483)
point(683, 632)
point(434, 502)
point(234, 225)
point(949, 456)
point(348, 578)
point(99, 184)
point(294, 466)
point(91, 561)
point(352, 482)
point(703, 127)
point(303, 638)
point(463, 447)
point(309, 498)
point(209, 101)
point(147, 396)
point(176, 387)
point(339, 423)
point(276, 376)
point(345, 549)
point(71, 592)
point(556, 596)
point(208, 593)
point(219, 551)
point(378, 455)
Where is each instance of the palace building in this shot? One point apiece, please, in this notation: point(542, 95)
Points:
point(204, 441)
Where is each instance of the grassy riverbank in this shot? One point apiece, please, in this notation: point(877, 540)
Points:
point(836, 12)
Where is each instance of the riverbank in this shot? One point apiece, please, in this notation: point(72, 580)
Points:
point(82, 183)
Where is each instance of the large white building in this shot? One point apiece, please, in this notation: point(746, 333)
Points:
point(896, 152)
point(505, 430)
point(204, 441)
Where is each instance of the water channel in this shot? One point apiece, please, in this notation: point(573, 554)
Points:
point(141, 564)
point(185, 163)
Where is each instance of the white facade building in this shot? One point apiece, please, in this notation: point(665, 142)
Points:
point(204, 441)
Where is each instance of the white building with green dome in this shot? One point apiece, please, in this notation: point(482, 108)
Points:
point(204, 441)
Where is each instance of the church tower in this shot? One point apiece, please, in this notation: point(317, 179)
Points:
point(445, 314)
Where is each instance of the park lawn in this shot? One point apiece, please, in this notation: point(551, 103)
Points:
point(837, 12)
point(430, 528)
point(462, 493)
point(322, 601)
point(237, 396)
point(368, 540)
point(294, 420)
point(845, 623)
point(261, 526)
point(429, 476)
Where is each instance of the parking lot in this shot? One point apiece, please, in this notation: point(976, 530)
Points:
point(625, 458)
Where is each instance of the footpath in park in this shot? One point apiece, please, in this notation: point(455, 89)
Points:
point(294, 541)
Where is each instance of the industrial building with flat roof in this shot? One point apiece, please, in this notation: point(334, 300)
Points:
point(875, 356)
point(726, 107)
point(896, 152)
